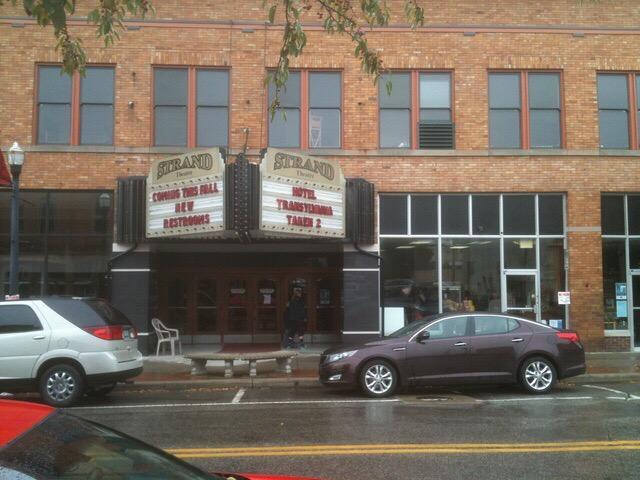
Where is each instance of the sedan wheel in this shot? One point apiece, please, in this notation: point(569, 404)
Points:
point(538, 375)
point(378, 378)
point(61, 385)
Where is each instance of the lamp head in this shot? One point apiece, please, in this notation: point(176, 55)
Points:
point(16, 155)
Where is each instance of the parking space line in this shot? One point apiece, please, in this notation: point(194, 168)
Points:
point(607, 389)
point(239, 395)
point(532, 399)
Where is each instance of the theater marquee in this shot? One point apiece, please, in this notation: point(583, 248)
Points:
point(301, 195)
point(185, 195)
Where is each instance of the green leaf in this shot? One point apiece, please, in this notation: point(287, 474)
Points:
point(272, 13)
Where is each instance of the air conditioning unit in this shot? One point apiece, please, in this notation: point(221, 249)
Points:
point(436, 135)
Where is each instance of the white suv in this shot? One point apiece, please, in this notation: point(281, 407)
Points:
point(64, 347)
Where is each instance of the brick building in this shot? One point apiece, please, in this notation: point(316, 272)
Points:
point(504, 166)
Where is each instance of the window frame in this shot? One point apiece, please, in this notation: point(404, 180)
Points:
point(525, 115)
point(75, 104)
point(192, 103)
point(633, 107)
point(305, 108)
point(414, 103)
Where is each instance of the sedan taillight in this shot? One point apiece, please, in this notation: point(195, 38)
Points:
point(571, 336)
point(111, 332)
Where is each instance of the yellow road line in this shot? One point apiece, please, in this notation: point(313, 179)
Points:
point(399, 449)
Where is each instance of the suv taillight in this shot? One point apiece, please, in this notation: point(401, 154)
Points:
point(571, 336)
point(114, 332)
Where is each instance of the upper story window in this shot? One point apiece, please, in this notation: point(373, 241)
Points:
point(191, 107)
point(75, 110)
point(424, 120)
point(619, 113)
point(312, 119)
point(525, 110)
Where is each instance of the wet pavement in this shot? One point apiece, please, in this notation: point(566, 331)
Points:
point(579, 431)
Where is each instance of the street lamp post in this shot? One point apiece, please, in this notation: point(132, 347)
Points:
point(16, 159)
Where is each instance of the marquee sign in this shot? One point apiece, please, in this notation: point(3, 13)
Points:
point(185, 195)
point(301, 195)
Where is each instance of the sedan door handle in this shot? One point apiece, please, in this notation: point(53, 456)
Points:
point(459, 344)
point(518, 340)
point(39, 337)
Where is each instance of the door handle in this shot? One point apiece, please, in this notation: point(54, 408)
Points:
point(39, 337)
point(459, 344)
point(518, 340)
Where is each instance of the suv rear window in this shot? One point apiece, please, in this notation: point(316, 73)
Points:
point(87, 312)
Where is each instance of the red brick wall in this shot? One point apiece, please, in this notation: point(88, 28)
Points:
point(506, 43)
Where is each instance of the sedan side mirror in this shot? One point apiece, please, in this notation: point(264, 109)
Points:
point(422, 336)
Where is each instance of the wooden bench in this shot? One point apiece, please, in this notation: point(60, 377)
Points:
point(199, 361)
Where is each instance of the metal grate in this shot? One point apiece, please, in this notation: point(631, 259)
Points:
point(436, 135)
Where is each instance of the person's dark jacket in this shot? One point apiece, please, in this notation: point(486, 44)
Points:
point(294, 313)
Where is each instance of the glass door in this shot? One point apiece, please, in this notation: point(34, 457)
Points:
point(267, 306)
point(206, 306)
point(635, 311)
point(238, 306)
point(521, 296)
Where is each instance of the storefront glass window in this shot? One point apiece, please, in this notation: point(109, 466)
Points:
point(470, 275)
point(520, 253)
point(480, 267)
point(614, 272)
point(519, 214)
point(552, 277)
point(410, 276)
point(393, 214)
point(486, 214)
point(65, 242)
point(612, 212)
point(633, 205)
point(455, 214)
point(424, 214)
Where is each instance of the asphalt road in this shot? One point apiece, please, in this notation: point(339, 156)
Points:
point(577, 432)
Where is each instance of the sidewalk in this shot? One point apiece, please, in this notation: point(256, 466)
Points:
point(175, 372)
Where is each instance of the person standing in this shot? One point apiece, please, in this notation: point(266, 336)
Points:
point(295, 317)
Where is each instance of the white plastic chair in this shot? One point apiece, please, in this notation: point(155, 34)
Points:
point(166, 335)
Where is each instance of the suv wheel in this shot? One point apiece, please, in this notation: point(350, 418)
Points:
point(61, 385)
point(538, 375)
point(378, 378)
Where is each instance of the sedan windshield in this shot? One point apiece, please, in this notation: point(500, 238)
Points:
point(67, 447)
point(412, 328)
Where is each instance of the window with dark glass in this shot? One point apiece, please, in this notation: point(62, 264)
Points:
point(212, 107)
point(66, 242)
point(393, 214)
point(544, 110)
point(633, 214)
point(454, 214)
point(395, 110)
point(540, 103)
point(191, 119)
point(170, 105)
point(54, 105)
point(424, 214)
point(519, 214)
point(325, 99)
point(96, 106)
point(284, 126)
point(613, 107)
point(17, 319)
point(486, 214)
point(612, 213)
point(550, 215)
point(486, 325)
point(504, 110)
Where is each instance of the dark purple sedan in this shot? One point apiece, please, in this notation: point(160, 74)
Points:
point(458, 348)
